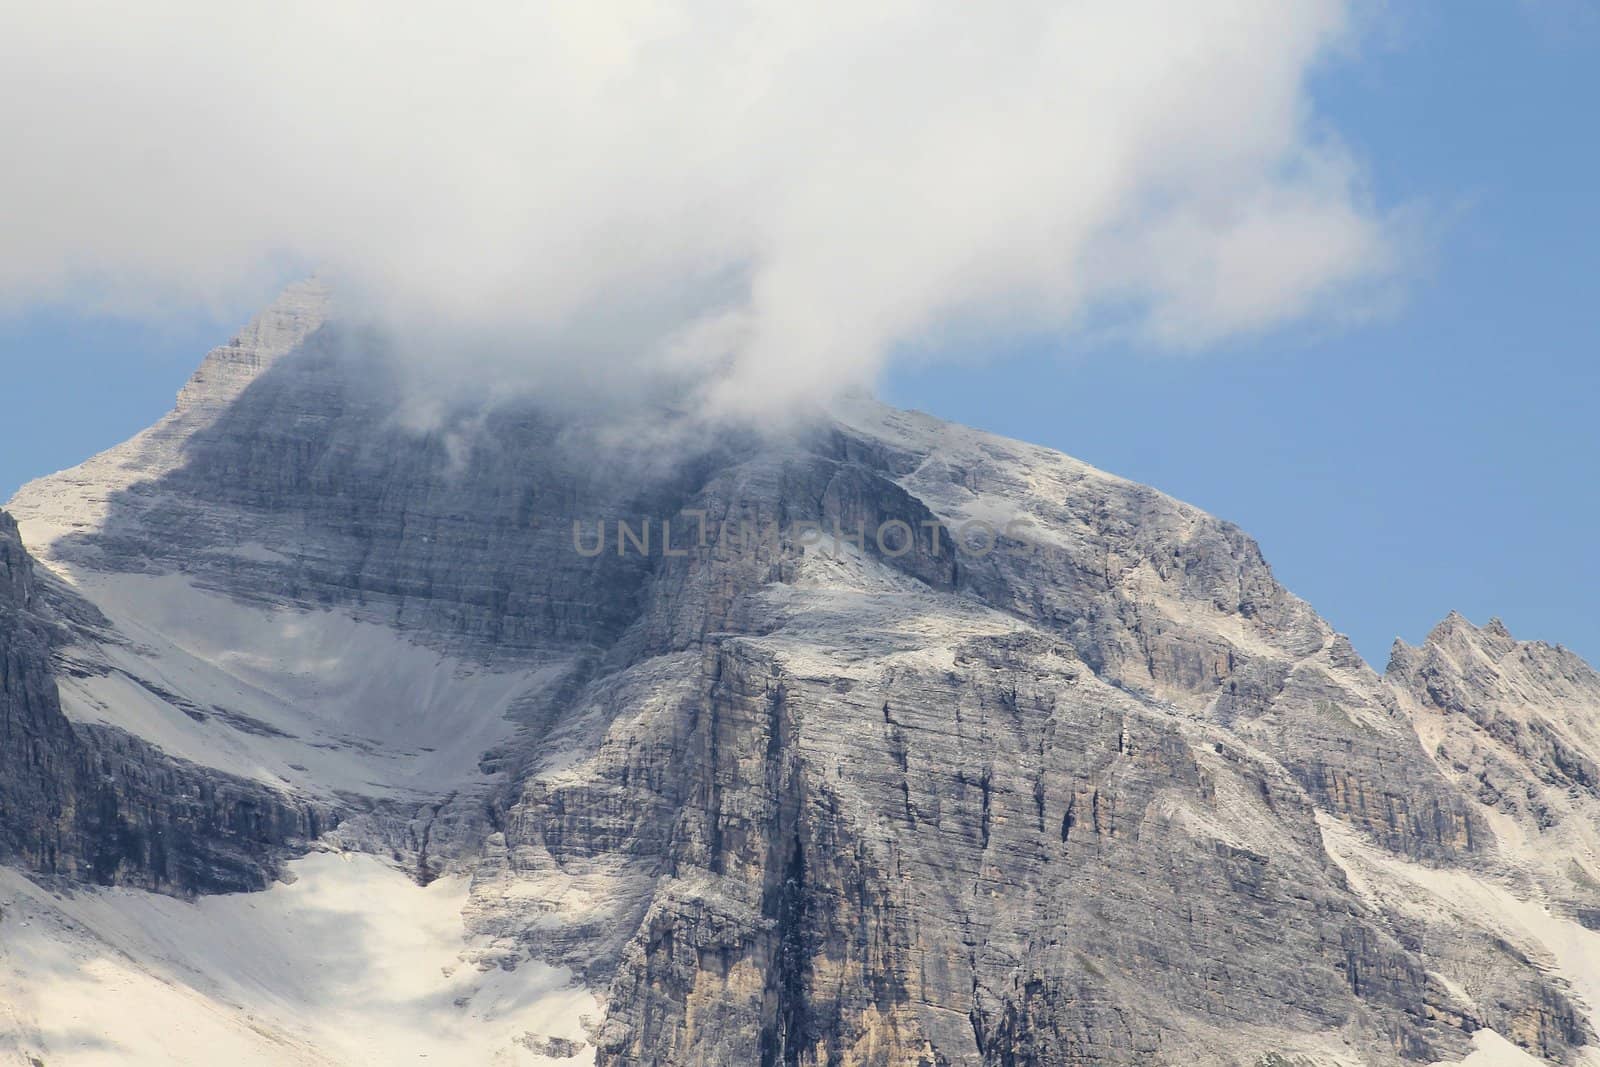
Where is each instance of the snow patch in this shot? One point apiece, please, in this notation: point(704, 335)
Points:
point(1558, 944)
point(1492, 1050)
point(314, 699)
point(353, 964)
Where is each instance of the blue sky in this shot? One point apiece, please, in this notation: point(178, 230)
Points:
point(1439, 456)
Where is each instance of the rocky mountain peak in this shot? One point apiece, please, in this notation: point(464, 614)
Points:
point(278, 330)
point(1473, 666)
point(1516, 724)
point(1063, 776)
point(1456, 631)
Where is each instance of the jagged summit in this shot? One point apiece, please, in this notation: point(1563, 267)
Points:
point(1456, 624)
point(1066, 777)
point(226, 370)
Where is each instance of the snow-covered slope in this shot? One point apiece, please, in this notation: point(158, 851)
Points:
point(318, 701)
point(351, 963)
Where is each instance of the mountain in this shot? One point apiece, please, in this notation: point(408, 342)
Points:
point(331, 737)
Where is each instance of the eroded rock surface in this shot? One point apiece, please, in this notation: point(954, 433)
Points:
point(1102, 792)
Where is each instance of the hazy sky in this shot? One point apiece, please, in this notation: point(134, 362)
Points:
point(1326, 269)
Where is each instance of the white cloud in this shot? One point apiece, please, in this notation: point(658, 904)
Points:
point(784, 190)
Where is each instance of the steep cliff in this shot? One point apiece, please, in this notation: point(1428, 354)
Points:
point(96, 804)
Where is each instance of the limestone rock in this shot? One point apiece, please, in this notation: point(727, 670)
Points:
point(1068, 778)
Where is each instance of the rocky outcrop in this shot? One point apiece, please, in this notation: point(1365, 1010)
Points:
point(1510, 714)
point(1515, 725)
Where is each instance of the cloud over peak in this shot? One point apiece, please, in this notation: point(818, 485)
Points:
point(783, 192)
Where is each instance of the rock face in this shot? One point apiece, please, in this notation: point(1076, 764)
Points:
point(1516, 726)
point(1062, 777)
point(96, 804)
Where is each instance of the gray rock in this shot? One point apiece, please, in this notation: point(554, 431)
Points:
point(96, 804)
point(1105, 793)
